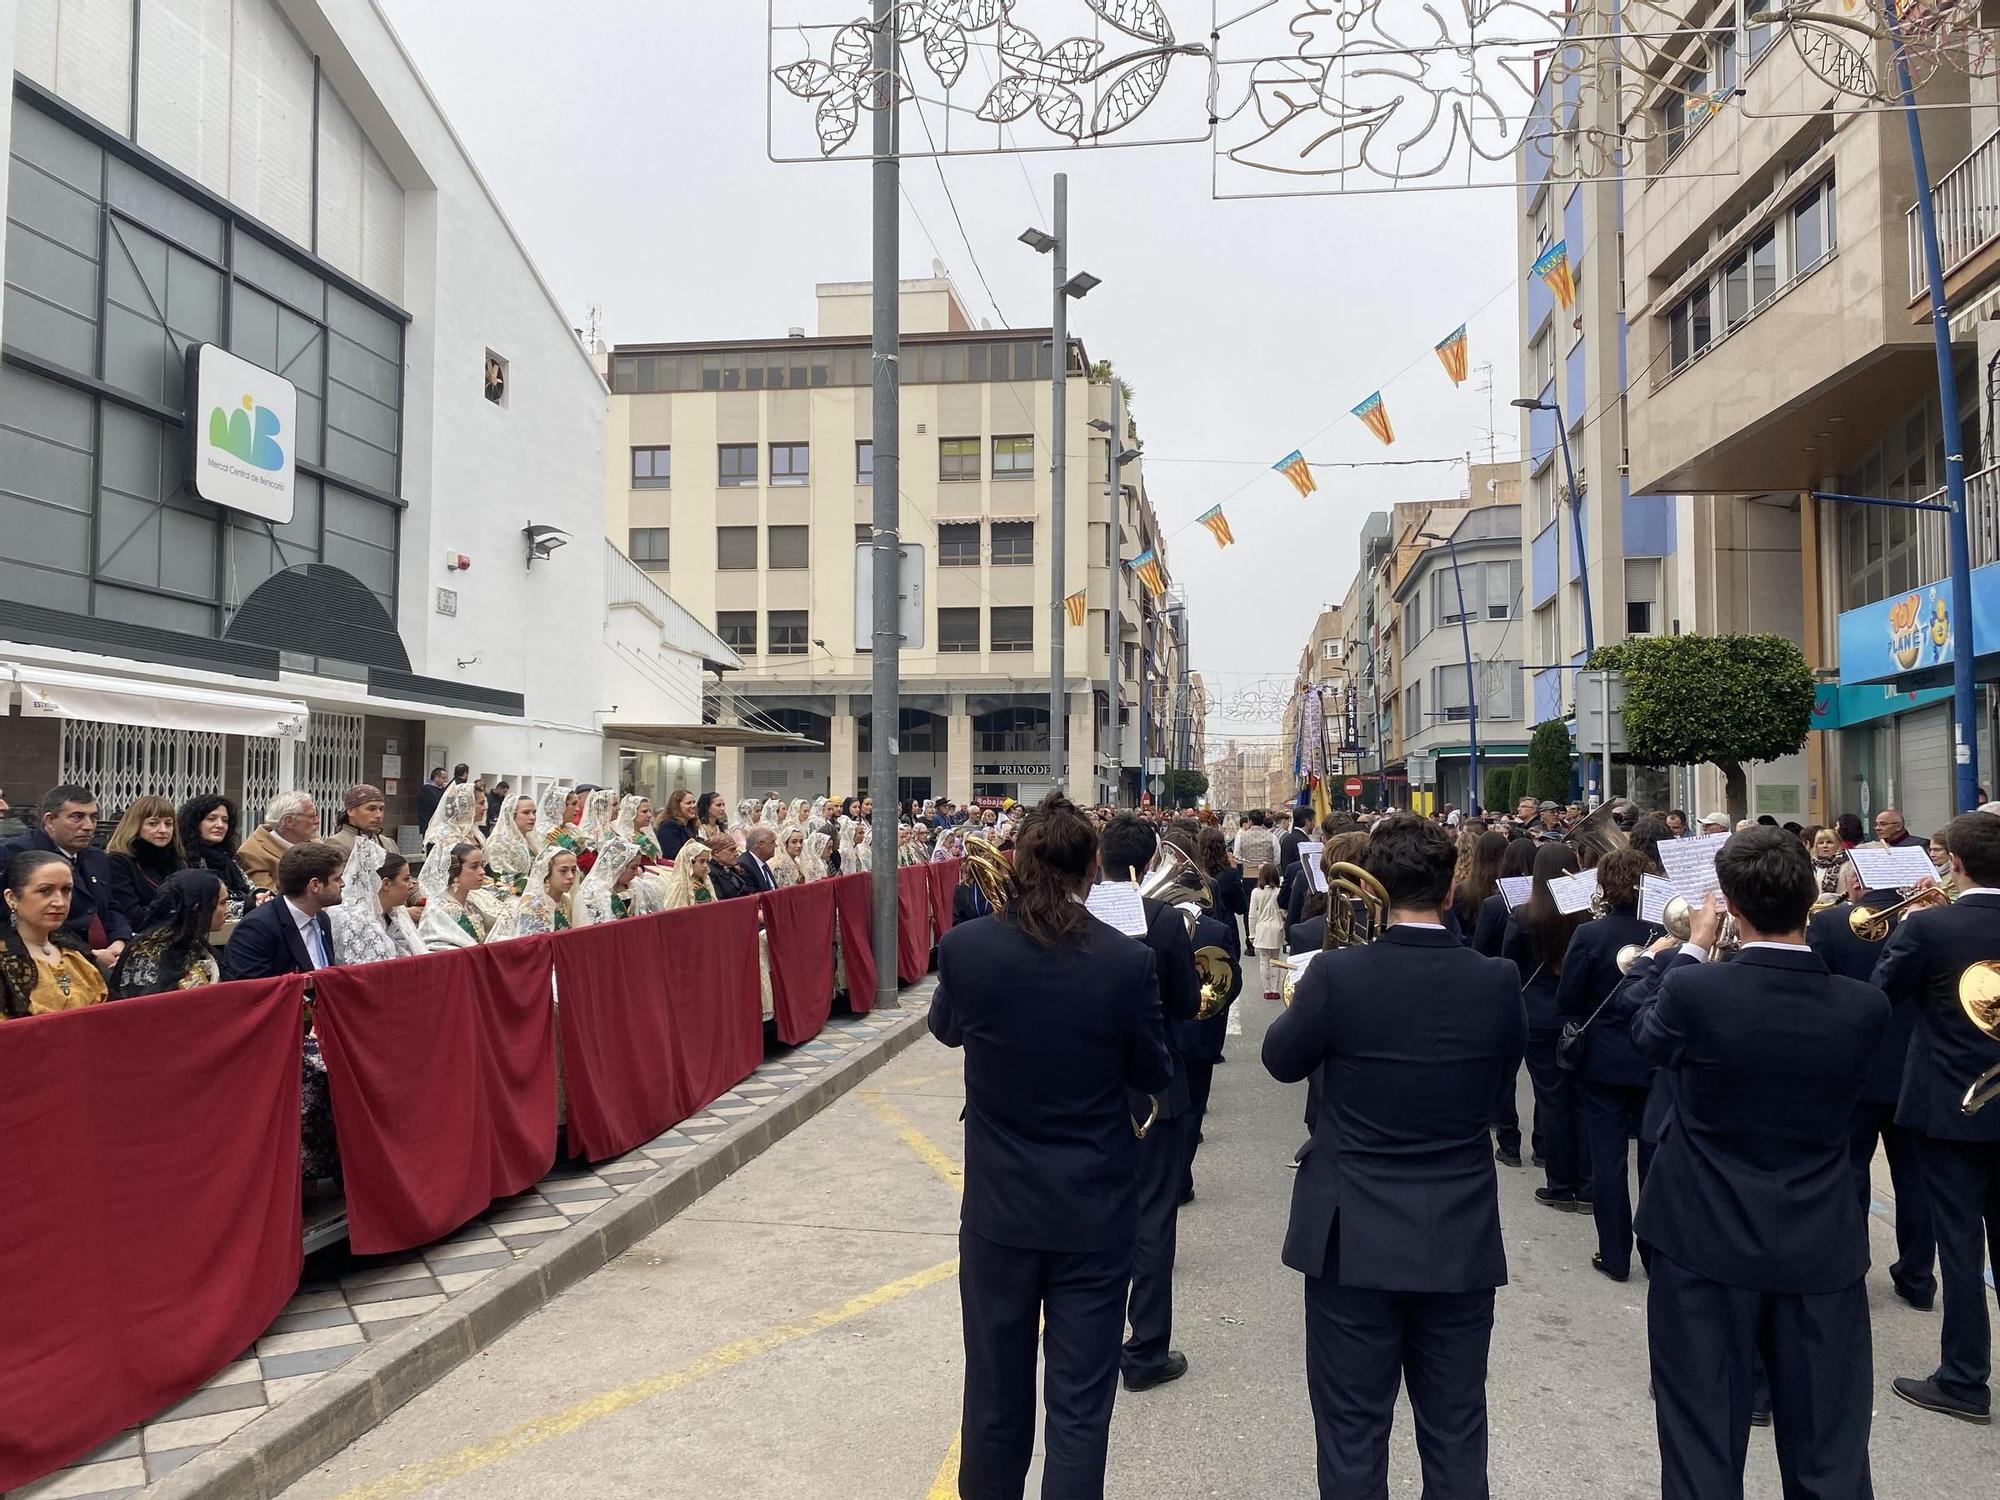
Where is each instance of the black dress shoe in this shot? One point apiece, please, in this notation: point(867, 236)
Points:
point(1921, 1301)
point(1187, 1196)
point(1760, 1416)
point(1550, 1198)
point(1538, 1160)
point(1176, 1366)
point(1597, 1264)
point(1926, 1394)
point(1508, 1158)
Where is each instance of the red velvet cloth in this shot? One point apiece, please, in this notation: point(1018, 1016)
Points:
point(913, 922)
point(611, 992)
point(857, 940)
point(944, 883)
point(149, 1192)
point(798, 922)
point(443, 1074)
point(715, 1019)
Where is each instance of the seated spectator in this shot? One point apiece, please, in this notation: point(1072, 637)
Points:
point(170, 951)
point(290, 819)
point(363, 811)
point(543, 906)
point(688, 881)
point(785, 868)
point(68, 824)
point(293, 934)
point(677, 826)
point(208, 838)
point(373, 920)
point(453, 917)
point(604, 894)
point(726, 873)
point(43, 967)
point(145, 848)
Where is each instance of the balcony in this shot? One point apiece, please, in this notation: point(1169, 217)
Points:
point(1968, 223)
point(1982, 505)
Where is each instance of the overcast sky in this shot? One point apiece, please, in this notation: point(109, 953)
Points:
point(626, 142)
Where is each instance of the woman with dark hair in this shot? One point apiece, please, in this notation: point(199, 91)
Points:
point(1648, 834)
point(677, 825)
point(1225, 879)
point(1849, 827)
point(43, 968)
point(711, 814)
point(1477, 877)
point(1489, 930)
point(145, 848)
point(170, 945)
point(209, 835)
point(452, 918)
point(1537, 939)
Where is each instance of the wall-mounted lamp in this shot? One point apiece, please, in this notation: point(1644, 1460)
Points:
point(542, 541)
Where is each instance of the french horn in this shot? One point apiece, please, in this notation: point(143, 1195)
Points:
point(1345, 883)
point(991, 871)
point(1979, 998)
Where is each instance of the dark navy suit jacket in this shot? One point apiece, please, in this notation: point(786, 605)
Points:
point(1053, 1038)
point(1417, 1035)
point(1751, 1184)
point(1919, 969)
point(266, 944)
point(1855, 958)
point(1202, 1041)
point(94, 893)
point(1180, 998)
point(1539, 981)
point(1590, 974)
point(1490, 931)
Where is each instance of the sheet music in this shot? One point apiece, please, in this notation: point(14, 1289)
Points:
point(1892, 869)
point(1118, 904)
point(1690, 864)
point(1516, 889)
point(1573, 892)
point(1654, 894)
point(1309, 862)
point(1301, 962)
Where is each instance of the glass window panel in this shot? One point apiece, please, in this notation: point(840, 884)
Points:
point(958, 630)
point(958, 458)
point(652, 468)
point(1013, 543)
point(736, 464)
point(187, 552)
point(954, 362)
point(732, 372)
point(284, 278)
point(155, 610)
point(1013, 628)
point(976, 362)
point(136, 353)
point(958, 544)
point(160, 208)
point(787, 633)
point(1763, 268)
point(1013, 458)
point(1700, 327)
point(864, 461)
point(360, 518)
point(753, 378)
point(647, 546)
point(791, 463)
point(1736, 291)
point(738, 629)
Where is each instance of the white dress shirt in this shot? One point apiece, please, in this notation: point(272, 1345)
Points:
point(309, 934)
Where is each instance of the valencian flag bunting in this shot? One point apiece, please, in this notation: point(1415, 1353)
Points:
point(1451, 352)
point(1553, 267)
point(1074, 604)
point(1376, 416)
point(1295, 468)
point(1218, 524)
point(1147, 566)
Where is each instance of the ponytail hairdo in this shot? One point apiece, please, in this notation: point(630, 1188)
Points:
point(1054, 850)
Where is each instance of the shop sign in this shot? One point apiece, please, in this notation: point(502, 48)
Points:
point(1010, 769)
point(1837, 707)
point(1910, 633)
point(241, 427)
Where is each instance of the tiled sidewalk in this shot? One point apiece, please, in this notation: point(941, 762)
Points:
point(344, 1301)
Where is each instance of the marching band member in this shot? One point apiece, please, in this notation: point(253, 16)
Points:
point(1395, 1211)
point(1758, 1242)
point(1059, 1016)
point(1921, 966)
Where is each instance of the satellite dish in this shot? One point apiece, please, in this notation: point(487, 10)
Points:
point(938, 270)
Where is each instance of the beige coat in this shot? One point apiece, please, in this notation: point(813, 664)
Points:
point(259, 856)
point(342, 838)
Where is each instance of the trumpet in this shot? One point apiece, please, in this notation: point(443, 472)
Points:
point(1872, 924)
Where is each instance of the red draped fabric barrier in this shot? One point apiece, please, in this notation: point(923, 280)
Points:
point(798, 921)
point(944, 883)
point(611, 991)
point(715, 1004)
point(149, 1192)
point(857, 950)
point(443, 1074)
point(913, 922)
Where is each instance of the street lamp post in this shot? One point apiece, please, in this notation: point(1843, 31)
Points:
point(1116, 456)
point(1066, 286)
point(885, 685)
point(1471, 686)
point(1554, 405)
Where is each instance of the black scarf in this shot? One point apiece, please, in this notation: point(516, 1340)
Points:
point(155, 861)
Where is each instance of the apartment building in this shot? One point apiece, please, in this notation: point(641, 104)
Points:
point(740, 473)
point(1779, 347)
point(1618, 546)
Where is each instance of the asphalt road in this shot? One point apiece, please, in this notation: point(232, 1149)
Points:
point(796, 1332)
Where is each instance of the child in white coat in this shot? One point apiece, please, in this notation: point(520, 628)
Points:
point(1267, 928)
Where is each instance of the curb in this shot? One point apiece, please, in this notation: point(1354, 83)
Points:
point(292, 1439)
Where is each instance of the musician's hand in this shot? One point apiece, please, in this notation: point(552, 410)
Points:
point(1664, 945)
point(1706, 925)
point(1928, 883)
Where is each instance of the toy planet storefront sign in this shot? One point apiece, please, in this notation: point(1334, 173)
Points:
point(1911, 638)
point(241, 422)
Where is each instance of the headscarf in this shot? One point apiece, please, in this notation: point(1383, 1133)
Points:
point(812, 862)
point(549, 812)
point(510, 853)
point(795, 815)
point(598, 810)
point(453, 823)
point(361, 934)
point(771, 813)
point(680, 886)
point(170, 951)
point(592, 903)
point(534, 910)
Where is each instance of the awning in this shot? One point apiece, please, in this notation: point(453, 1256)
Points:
point(50, 694)
point(679, 737)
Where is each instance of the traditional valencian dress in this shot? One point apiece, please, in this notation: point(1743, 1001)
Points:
point(454, 823)
point(510, 854)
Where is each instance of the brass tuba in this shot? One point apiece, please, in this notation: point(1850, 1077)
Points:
point(1597, 833)
point(1979, 997)
point(991, 872)
point(1344, 881)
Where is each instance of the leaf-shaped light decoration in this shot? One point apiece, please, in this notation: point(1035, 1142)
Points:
point(838, 115)
point(1126, 99)
point(912, 17)
point(1060, 110)
point(1140, 18)
point(1020, 47)
point(1009, 99)
point(853, 48)
point(971, 15)
point(806, 80)
point(945, 51)
point(1069, 60)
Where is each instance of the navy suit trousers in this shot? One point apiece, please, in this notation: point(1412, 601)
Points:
point(1162, 1158)
point(1913, 1271)
point(1964, 1182)
point(1611, 1114)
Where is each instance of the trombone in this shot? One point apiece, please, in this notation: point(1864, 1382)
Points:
point(1872, 924)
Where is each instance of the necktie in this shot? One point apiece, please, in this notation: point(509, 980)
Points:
point(310, 932)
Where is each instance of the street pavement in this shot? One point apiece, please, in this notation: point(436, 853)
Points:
point(796, 1332)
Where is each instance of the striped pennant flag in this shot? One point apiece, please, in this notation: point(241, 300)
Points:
point(1451, 351)
point(1074, 604)
point(1553, 267)
point(1147, 566)
point(1376, 416)
point(1295, 468)
point(1218, 525)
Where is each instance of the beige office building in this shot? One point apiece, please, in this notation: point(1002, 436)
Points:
point(740, 478)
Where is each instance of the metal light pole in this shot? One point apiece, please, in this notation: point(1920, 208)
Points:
point(1116, 456)
point(885, 688)
point(1582, 572)
point(1471, 685)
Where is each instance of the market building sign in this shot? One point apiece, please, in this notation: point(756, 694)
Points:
point(1912, 635)
point(241, 424)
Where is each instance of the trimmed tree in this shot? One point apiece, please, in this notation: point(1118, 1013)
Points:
point(1724, 699)
point(1186, 786)
point(1548, 766)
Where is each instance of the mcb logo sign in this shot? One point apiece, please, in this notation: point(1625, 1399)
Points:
point(240, 421)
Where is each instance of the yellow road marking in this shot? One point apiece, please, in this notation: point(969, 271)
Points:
point(416, 1478)
point(945, 1486)
point(920, 1079)
point(928, 1151)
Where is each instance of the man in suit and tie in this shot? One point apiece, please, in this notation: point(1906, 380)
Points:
point(1920, 967)
point(756, 862)
point(1125, 851)
point(1759, 1243)
point(1854, 957)
point(1395, 1213)
point(292, 935)
point(68, 826)
point(1059, 1016)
